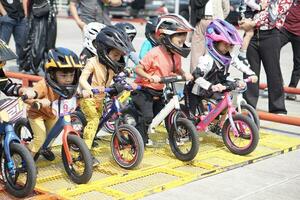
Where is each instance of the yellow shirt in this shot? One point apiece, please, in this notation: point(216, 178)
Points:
point(95, 74)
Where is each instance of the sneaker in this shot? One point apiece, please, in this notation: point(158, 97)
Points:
point(291, 97)
point(95, 161)
point(48, 154)
point(149, 143)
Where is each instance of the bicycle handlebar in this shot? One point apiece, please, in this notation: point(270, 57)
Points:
point(113, 89)
point(172, 79)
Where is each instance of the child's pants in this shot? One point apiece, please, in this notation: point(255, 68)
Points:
point(92, 112)
point(40, 128)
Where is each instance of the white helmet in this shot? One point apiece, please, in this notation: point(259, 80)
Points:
point(90, 33)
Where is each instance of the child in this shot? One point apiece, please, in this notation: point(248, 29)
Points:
point(62, 71)
point(163, 60)
point(247, 9)
point(6, 85)
point(131, 32)
point(212, 70)
point(151, 37)
point(112, 44)
point(90, 33)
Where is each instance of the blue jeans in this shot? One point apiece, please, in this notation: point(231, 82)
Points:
point(18, 28)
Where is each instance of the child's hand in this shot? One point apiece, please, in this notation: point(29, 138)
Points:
point(29, 92)
point(134, 86)
point(188, 76)
point(241, 84)
point(87, 94)
point(253, 78)
point(45, 102)
point(155, 79)
point(218, 88)
point(101, 89)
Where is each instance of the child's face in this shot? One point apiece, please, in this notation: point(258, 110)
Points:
point(178, 39)
point(64, 78)
point(115, 54)
point(224, 47)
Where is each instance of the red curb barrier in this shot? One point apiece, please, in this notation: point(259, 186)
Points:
point(283, 119)
point(289, 90)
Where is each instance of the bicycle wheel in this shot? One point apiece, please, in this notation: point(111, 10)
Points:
point(249, 111)
point(248, 137)
point(184, 140)
point(80, 171)
point(23, 130)
point(22, 180)
point(78, 122)
point(128, 151)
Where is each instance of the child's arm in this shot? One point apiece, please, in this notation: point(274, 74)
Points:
point(140, 70)
point(245, 69)
point(83, 80)
point(252, 4)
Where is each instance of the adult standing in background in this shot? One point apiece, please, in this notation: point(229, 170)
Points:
point(265, 47)
point(290, 32)
point(202, 13)
point(13, 22)
point(91, 11)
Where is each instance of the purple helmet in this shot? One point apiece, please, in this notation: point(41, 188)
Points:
point(220, 30)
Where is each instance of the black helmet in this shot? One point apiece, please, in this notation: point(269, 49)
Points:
point(6, 53)
point(62, 59)
point(150, 30)
point(169, 25)
point(109, 38)
point(128, 28)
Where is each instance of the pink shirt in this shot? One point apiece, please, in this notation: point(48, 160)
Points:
point(158, 61)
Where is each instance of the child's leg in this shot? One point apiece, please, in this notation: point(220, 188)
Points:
point(39, 132)
point(243, 50)
point(92, 114)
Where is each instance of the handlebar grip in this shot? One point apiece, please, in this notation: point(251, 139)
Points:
point(36, 105)
point(24, 97)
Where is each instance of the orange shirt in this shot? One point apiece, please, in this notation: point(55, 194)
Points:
point(158, 61)
point(43, 91)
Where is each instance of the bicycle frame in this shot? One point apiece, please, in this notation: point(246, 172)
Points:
point(226, 103)
point(115, 108)
point(63, 124)
point(169, 107)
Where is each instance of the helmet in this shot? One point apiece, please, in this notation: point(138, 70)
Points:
point(169, 25)
point(128, 28)
point(62, 59)
point(109, 38)
point(150, 30)
point(5, 53)
point(90, 33)
point(220, 30)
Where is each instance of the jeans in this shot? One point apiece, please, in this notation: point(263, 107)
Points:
point(17, 27)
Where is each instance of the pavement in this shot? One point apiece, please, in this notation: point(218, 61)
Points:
point(274, 178)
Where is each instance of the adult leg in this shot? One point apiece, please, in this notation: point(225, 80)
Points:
point(19, 36)
point(198, 43)
point(252, 93)
point(295, 40)
point(270, 53)
point(7, 25)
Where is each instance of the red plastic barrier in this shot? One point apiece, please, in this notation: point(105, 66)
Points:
point(27, 79)
point(283, 119)
point(289, 90)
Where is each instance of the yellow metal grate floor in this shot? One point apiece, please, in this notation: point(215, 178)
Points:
point(159, 170)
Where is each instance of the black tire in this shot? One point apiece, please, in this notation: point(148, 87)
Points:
point(78, 122)
point(132, 141)
point(23, 130)
point(11, 183)
point(190, 133)
point(251, 138)
point(84, 156)
point(252, 114)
